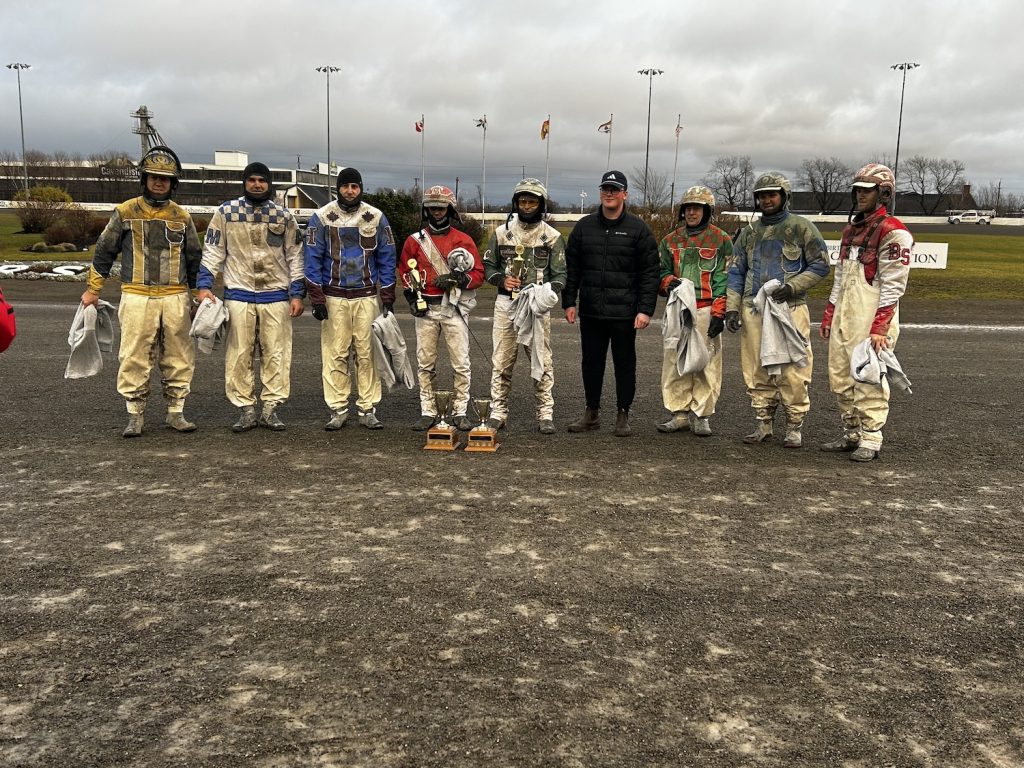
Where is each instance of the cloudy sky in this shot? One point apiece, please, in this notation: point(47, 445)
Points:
point(780, 81)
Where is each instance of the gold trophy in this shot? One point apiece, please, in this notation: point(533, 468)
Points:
point(442, 436)
point(481, 438)
point(516, 268)
point(416, 283)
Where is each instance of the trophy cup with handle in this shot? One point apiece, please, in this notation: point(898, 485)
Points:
point(416, 283)
point(442, 436)
point(481, 438)
point(516, 269)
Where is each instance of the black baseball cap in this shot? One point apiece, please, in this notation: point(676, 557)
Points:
point(614, 179)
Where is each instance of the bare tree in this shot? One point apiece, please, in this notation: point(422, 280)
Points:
point(936, 182)
point(731, 178)
point(825, 177)
point(657, 192)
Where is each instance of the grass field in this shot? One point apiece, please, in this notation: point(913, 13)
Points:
point(12, 241)
point(980, 266)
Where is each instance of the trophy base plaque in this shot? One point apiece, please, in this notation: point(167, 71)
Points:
point(482, 440)
point(442, 438)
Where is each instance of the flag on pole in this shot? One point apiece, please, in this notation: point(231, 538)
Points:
point(605, 127)
point(482, 122)
point(419, 126)
point(545, 129)
point(679, 129)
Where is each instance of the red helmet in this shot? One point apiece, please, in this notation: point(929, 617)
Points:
point(437, 196)
point(876, 175)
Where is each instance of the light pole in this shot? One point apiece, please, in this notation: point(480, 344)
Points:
point(899, 129)
point(650, 72)
point(17, 67)
point(326, 69)
point(583, 196)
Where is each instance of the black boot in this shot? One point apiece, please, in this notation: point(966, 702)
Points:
point(591, 419)
point(622, 428)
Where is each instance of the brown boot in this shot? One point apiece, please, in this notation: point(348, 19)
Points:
point(591, 419)
point(622, 428)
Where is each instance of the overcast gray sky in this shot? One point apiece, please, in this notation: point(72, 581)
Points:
point(780, 81)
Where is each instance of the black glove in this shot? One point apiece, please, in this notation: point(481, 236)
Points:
point(410, 296)
point(732, 321)
point(715, 327)
point(320, 312)
point(783, 293)
point(676, 282)
point(389, 307)
point(461, 279)
point(444, 282)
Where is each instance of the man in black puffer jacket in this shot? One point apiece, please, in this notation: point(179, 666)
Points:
point(612, 264)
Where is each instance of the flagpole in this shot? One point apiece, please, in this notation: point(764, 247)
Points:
point(675, 163)
point(610, 118)
point(547, 153)
point(423, 155)
point(483, 187)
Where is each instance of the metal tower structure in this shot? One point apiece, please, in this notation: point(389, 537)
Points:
point(149, 135)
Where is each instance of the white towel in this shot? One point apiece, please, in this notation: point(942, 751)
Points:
point(390, 353)
point(679, 335)
point(781, 341)
point(91, 334)
point(533, 302)
point(869, 367)
point(210, 325)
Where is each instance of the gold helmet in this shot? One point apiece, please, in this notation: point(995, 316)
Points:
point(876, 175)
point(160, 161)
point(698, 195)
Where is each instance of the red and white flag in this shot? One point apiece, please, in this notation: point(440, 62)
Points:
point(419, 126)
point(605, 127)
point(545, 129)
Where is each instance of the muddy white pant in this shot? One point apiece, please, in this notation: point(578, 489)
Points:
point(791, 387)
point(503, 360)
point(349, 326)
point(154, 329)
point(263, 327)
point(429, 330)
point(696, 392)
point(864, 408)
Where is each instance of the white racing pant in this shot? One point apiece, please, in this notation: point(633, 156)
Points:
point(503, 360)
point(349, 326)
point(154, 329)
point(696, 393)
point(429, 331)
point(268, 329)
point(864, 408)
point(791, 387)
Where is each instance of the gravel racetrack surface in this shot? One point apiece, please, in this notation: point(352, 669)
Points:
point(348, 599)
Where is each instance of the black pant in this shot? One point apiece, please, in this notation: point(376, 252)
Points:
point(595, 336)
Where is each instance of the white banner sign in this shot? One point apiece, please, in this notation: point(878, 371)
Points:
point(923, 255)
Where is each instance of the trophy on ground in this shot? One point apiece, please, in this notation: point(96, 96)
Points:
point(481, 438)
point(516, 268)
point(442, 436)
point(416, 283)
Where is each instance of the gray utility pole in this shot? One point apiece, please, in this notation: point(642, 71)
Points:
point(17, 67)
point(650, 91)
point(327, 69)
point(896, 171)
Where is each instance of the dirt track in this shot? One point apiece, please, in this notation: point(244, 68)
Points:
point(348, 599)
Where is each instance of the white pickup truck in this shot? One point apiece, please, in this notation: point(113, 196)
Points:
point(970, 217)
